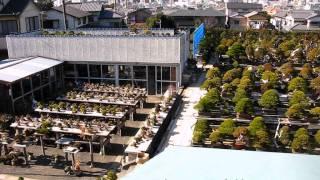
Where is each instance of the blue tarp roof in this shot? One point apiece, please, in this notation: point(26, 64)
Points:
point(184, 163)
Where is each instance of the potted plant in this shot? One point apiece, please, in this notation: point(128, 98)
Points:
point(40, 105)
point(74, 109)
point(62, 105)
point(96, 108)
point(83, 109)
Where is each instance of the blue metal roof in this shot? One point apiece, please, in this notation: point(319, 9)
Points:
point(184, 163)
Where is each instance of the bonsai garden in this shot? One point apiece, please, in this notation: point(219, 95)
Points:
point(262, 93)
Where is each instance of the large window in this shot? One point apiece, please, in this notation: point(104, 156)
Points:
point(69, 70)
point(139, 72)
point(125, 72)
point(108, 71)
point(32, 23)
point(36, 80)
point(82, 70)
point(166, 79)
point(26, 85)
point(95, 71)
point(16, 89)
point(7, 27)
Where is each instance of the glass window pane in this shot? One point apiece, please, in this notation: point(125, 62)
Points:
point(26, 85)
point(158, 87)
point(125, 82)
point(125, 72)
point(158, 73)
point(173, 74)
point(46, 92)
point(165, 87)
point(45, 77)
point(37, 95)
point(69, 70)
point(16, 89)
point(166, 73)
point(58, 72)
point(95, 71)
point(139, 72)
point(52, 74)
point(140, 84)
point(36, 80)
point(108, 81)
point(108, 71)
point(82, 70)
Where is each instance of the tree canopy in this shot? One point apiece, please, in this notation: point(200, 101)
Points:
point(269, 99)
point(256, 124)
point(227, 127)
point(297, 83)
point(209, 101)
point(244, 105)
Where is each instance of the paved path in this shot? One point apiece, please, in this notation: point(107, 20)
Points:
point(180, 130)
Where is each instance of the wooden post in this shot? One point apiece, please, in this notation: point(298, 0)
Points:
point(91, 153)
point(42, 146)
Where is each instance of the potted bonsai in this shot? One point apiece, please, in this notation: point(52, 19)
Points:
point(40, 105)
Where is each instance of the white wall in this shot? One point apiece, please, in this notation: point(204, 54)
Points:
point(114, 49)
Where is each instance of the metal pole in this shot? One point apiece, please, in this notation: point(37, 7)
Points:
point(64, 15)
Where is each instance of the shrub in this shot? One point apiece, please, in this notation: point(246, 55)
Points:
point(111, 175)
point(295, 111)
point(244, 105)
point(236, 50)
point(235, 82)
point(301, 139)
point(245, 83)
point(240, 93)
point(297, 83)
point(317, 137)
point(269, 99)
point(227, 127)
point(306, 71)
point(215, 82)
point(232, 74)
point(200, 131)
point(285, 135)
point(315, 84)
point(286, 69)
point(315, 112)
point(298, 97)
point(261, 139)
point(215, 137)
point(209, 101)
point(256, 124)
point(213, 72)
point(240, 130)
point(270, 78)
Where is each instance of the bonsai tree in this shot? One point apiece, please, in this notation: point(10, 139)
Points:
point(255, 125)
point(286, 69)
point(269, 99)
point(110, 175)
point(5, 120)
point(40, 105)
point(298, 97)
point(240, 130)
point(209, 101)
point(317, 137)
point(270, 80)
point(244, 105)
point(245, 83)
point(215, 82)
point(227, 127)
point(295, 111)
point(235, 51)
point(240, 94)
point(227, 89)
point(213, 72)
point(297, 83)
point(215, 137)
point(315, 112)
point(315, 85)
point(200, 131)
point(306, 71)
point(261, 139)
point(235, 82)
point(301, 140)
point(231, 74)
point(284, 137)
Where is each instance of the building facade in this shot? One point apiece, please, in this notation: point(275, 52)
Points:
point(154, 61)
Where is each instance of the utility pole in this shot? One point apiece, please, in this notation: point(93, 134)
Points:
point(64, 15)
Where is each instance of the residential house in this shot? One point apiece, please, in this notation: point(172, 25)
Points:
point(296, 17)
point(138, 16)
point(17, 16)
point(278, 19)
point(257, 20)
point(241, 8)
point(94, 8)
point(237, 22)
point(312, 24)
point(74, 18)
point(190, 18)
point(109, 18)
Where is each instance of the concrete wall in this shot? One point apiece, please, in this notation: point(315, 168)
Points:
point(111, 49)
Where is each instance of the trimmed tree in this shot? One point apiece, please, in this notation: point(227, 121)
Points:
point(244, 105)
point(301, 140)
point(200, 131)
point(317, 137)
point(255, 125)
point(209, 101)
point(315, 85)
point(269, 99)
point(240, 130)
point(213, 72)
point(245, 83)
point(240, 93)
point(295, 111)
point(298, 97)
point(315, 112)
point(235, 51)
point(261, 139)
point(232, 74)
point(269, 80)
point(227, 127)
point(286, 69)
point(306, 71)
point(215, 137)
point(284, 135)
point(215, 82)
point(297, 84)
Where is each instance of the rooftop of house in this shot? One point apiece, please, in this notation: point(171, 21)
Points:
point(302, 27)
point(300, 14)
point(72, 11)
point(87, 6)
point(237, 5)
point(280, 14)
point(209, 163)
point(210, 12)
point(14, 7)
point(109, 14)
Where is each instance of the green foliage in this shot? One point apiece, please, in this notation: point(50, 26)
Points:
point(245, 83)
point(227, 127)
point(297, 83)
point(200, 131)
point(306, 71)
point(244, 105)
point(232, 74)
point(295, 111)
point(317, 137)
point(298, 97)
point(301, 140)
point(111, 175)
point(315, 84)
point(269, 99)
point(209, 101)
point(166, 21)
point(286, 69)
point(287, 47)
point(213, 72)
point(240, 130)
point(240, 94)
point(285, 135)
point(211, 83)
point(215, 137)
point(315, 112)
point(235, 82)
point(261, 139)
point(221, 49)
point(255, 125)
point(271, 78)
point(235, 51)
